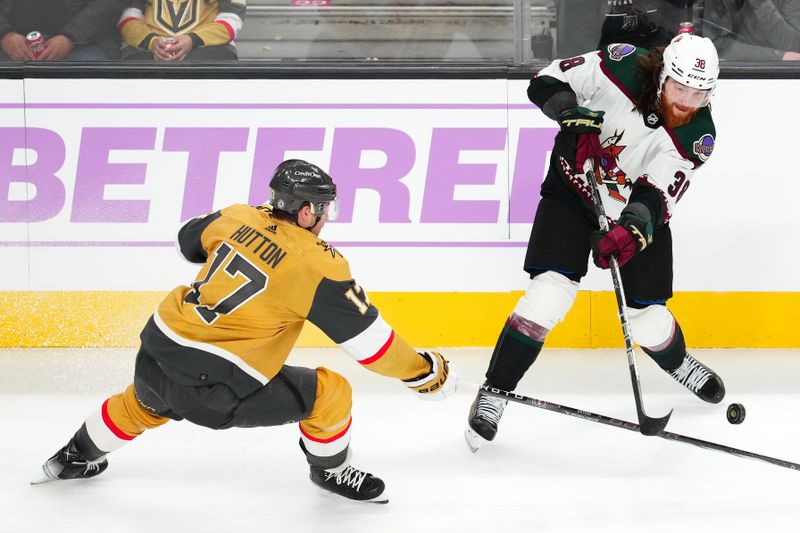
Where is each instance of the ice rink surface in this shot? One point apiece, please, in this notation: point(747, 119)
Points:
point(546, 472)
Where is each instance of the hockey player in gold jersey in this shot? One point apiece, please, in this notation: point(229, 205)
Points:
point(214, 352)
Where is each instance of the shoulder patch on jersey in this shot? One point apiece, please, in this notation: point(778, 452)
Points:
point(326, 247)
point(703, 147)
point(617, 51)
point(696, 139)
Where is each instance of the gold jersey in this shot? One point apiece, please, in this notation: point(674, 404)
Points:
point(262, 278)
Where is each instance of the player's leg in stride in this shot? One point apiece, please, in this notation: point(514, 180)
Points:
point(119, 420)
point(71, 463)
point(545, 303)
point(661, 337)
point(325, 440)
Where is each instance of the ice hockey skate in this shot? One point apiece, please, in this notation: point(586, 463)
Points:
point(69, 463)
point(484, 416)
point(351, 483)
point(699, 379)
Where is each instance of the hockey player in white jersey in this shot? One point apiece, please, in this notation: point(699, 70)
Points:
point(642, 119)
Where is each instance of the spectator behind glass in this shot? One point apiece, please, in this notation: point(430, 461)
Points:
point(644, 23)
point(199, 29)
point(594, 24)
point(754, 30)
point(74, 30)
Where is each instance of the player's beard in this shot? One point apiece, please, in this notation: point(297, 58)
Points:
point(676, 115)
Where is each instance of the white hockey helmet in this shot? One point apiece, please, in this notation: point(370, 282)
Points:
point(692, 61)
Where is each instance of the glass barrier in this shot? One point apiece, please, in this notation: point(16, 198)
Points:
point(583, 26)
point(742, 30)
point(507, 32)
point(411, 30)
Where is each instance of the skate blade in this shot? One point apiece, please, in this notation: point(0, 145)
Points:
point(382, 498)
point(44, 479)
point(325, 493)
point(473, 440)
point(47, 477)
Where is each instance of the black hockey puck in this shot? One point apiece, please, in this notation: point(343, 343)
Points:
point(736, 413)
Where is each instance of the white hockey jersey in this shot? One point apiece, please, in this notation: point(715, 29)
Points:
point(634, 147)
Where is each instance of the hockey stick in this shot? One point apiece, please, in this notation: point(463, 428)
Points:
point(630, 426)
point(647, 425)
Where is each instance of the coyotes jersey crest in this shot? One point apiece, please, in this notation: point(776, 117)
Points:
point(614, 178)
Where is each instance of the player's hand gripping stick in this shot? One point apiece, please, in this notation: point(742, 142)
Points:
point(629, 236)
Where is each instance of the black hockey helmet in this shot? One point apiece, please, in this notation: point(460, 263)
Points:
point(295, 182)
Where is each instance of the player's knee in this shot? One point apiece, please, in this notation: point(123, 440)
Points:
point(334, 398)
point(325, 434)
point(548, 299)
point(651, 326)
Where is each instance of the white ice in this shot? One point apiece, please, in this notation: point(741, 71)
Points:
point(546, 472)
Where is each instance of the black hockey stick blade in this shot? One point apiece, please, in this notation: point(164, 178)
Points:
point(631, 426)
point(652, 426)
point(648, 425)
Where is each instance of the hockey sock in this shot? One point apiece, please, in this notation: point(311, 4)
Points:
point(335, 462)
point(85, 445)
point(671, 356)
point(514, 353)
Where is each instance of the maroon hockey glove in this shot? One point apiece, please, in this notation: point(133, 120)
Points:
point(588, 147)
point(628, 237)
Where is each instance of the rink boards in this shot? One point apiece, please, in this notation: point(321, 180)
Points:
point(114, 318)
point(438, 181)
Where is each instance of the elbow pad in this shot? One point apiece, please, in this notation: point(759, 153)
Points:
point(552, 96)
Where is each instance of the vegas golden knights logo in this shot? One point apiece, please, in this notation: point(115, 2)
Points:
point(177, 16)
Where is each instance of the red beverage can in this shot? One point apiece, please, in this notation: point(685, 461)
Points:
point(35, 41)
point(169, 43)
point(686, 27)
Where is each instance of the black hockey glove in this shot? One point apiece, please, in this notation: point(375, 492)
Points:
point(585, 125)
point(581, 120)
point(630, 235)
